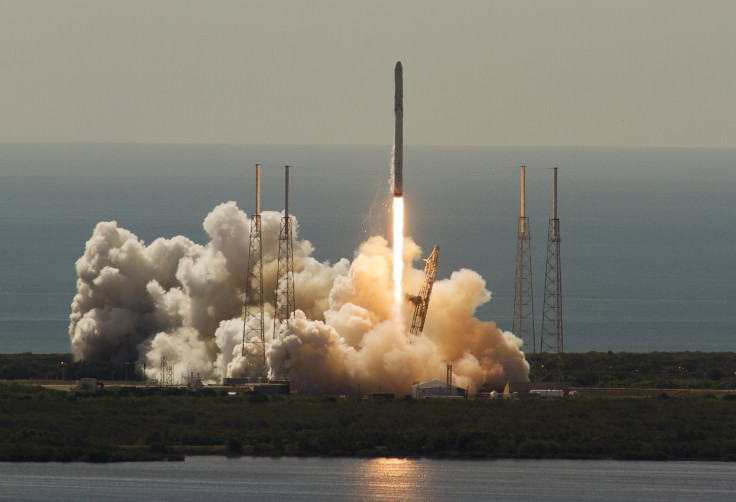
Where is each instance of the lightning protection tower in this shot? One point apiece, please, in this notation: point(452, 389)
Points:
point(421, 302)
point(285, 298)
point(253, 332)
point(523, 324)
point(552, 313)
point(167, 372)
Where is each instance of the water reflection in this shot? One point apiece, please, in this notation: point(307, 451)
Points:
point(394, 479)
point(340, 479)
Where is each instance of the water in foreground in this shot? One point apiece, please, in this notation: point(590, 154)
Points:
point(320, 479)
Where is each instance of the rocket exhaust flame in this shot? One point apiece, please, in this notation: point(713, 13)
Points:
point(398, 257)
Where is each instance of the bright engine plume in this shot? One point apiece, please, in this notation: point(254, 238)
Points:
point(398, 263)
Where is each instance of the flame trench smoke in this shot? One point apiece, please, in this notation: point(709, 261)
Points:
point(136, 301)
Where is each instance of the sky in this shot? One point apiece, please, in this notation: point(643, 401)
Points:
point(480, 73)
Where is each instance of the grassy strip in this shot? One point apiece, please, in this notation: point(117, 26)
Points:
point(147, 424)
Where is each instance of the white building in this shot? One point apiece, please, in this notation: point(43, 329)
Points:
point(435, 388)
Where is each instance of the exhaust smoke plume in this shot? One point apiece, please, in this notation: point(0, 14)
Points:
point(136, 301)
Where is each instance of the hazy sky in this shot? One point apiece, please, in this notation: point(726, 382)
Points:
point(579, 73)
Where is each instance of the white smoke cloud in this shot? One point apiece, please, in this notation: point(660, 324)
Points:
point(137, 301)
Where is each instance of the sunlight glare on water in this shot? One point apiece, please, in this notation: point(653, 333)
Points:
point(394, 479)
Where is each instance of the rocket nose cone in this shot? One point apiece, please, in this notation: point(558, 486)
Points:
point(398, 66)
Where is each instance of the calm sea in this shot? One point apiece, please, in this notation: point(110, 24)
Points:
point(648, 235)
point(394, 480)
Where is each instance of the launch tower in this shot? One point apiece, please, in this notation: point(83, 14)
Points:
point(421, 302)
point(285, 298)
point(523, 324)
point(253, 332)
point(552, 312)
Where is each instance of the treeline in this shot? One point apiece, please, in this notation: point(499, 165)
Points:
point(28, 366)
point(153, 424)
point(659, 370)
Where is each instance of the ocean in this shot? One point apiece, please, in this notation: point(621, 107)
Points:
point(647, 234)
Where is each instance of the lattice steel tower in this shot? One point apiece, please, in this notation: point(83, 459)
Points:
point(421, 302)
point(552, 312)
point(253, 332)
point(167, 372)
point(523, 325)
point(285, 298)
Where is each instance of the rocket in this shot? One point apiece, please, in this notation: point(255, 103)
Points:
point(398, 130)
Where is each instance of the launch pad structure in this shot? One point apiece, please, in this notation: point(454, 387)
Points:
point(285, 297)
point(552, 338)
point(253, 330)
point(421, 302)
point(167, 372)
point(253, 310)
point(523, 323)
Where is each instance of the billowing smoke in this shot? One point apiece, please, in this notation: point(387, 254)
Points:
point(136, 301)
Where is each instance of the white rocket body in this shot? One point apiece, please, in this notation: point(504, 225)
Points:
point(398, 130)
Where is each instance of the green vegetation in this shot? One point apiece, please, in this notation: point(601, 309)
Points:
point(27, 366)
point(659, 370)
point(136, 423)
point(37, 424)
